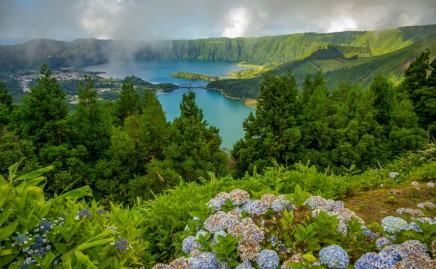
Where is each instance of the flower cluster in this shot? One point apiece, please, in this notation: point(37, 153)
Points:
point(189, 244)
point(334, 256)
point(394, 225)
point(381, 242)
point(261, 243)
point(239, 197)
point(415, 184)
point(268, 259)
point(426, 204)
point(218, 201)
point(36, 243)
point(409, 254)
point(122, 244)
point(414, 226)
point(83, 213)
point(410, 211)
point(331, 207)
point(204, 260)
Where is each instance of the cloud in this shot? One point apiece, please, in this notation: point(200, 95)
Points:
point(188, 19)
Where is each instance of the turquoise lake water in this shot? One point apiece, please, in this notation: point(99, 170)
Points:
point(224, 113)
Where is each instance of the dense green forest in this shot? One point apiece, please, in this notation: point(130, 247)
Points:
point(113, 184)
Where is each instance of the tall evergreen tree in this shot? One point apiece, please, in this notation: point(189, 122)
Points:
point(5, 105)
point(271, 134)
point(383, 92)
point(91, 124)
point(420, 84)
point(129, 101)
point(196, 149)
point(43, 112)
point(316, 121)
point(142, 138)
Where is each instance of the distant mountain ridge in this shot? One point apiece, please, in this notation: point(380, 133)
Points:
point(341, 56)
point(268, 49)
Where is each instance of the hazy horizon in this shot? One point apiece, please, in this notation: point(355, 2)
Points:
point(23, 20)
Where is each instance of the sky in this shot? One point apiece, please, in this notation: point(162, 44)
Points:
point(146, 20)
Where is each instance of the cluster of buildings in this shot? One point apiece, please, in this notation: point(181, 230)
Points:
point(25, 80)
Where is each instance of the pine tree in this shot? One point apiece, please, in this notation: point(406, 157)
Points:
point(91, 124)
point(129, 101)
point(43, 112)
point(271, 134)
point(420, 84)
point(196, 149)
point(5, 105)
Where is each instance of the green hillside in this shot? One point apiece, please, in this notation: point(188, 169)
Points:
point(354, 56)
point(281, 49)
point(337, 66)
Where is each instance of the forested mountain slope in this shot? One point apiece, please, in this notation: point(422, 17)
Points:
point(277, 49)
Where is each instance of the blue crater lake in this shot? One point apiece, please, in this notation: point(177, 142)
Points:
point(225, 113)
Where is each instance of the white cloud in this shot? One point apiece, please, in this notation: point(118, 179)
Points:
point(188, 19)
point(342, 24)
point(237, 22)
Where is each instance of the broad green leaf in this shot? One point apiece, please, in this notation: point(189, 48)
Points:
point(36, 173)
point(12, 171)
point(84, 259)
point(78, 193)
point(4, 215)
point(6, 252)
point(67, 263)
point(95, 243)
point(8, 230)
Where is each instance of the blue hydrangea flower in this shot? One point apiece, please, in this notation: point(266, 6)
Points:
point(394, 225)
point(101, 211)
point(381, 242)
point(371, 261)
point(122, 244)
point(390, 255)
point(369, 233)
point(268, 259)
point(205, 260)
point(257, 207)
point(189, 244)
point(21, 239)
point(274, 240)
point(334, 256)
point(45, 226)
point(244, 265)
point(218, 201)
point(279, 204)
point(216, 222)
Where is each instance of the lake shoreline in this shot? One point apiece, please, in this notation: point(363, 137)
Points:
point(251, 103)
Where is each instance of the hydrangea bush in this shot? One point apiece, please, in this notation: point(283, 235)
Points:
point(64, 231)
point(272, 232)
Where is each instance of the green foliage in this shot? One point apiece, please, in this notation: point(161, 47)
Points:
point(196, 147)
point(91, 124)
point(426, 234)
point(65, 230)
point(128, 103)
point(43, 112)
point(271, 133)
point(194, 76)
point(420, 85)
point(5, 105)
point(226, 249)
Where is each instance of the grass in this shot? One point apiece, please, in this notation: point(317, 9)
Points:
point(251, 103)
point(374, 205)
